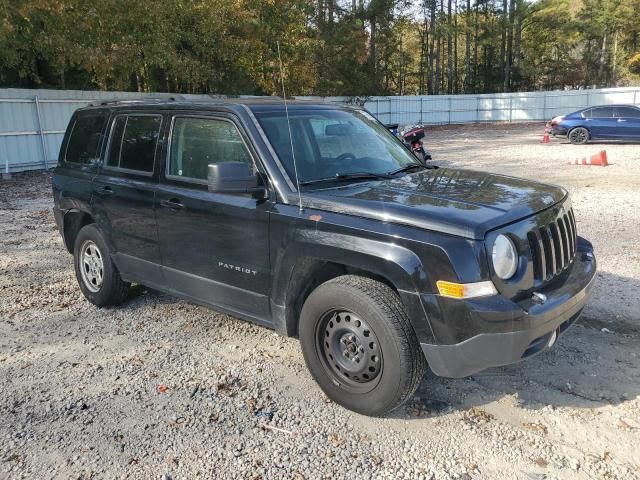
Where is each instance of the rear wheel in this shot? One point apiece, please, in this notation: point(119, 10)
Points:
point(579, 136)
point(359, 345)
point(97, 276)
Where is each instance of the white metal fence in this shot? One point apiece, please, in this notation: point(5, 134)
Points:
point(32, 122)
point(502, 107)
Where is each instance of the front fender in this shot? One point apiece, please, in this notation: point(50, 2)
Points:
point(397, 264)
point(302, 249)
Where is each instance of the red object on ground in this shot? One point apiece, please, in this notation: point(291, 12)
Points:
point(599, 158)
point(545, 138)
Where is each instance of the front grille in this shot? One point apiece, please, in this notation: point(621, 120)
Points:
point(553, 246)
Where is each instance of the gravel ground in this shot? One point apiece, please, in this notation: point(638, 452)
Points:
point(159, 388)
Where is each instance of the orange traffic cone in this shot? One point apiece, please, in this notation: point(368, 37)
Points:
point(599, 158)
point(577, 161)
point(545, 138)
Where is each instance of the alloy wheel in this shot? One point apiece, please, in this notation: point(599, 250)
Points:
point(91, 266)
point(579, 135)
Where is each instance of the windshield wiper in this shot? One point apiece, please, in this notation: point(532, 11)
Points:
point(348, 176)
point(406, 168)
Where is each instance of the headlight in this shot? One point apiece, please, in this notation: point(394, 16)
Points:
point(505, 257)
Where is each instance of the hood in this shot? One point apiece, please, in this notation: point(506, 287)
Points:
point(459, 202)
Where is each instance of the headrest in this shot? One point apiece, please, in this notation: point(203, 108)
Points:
point(338, 130)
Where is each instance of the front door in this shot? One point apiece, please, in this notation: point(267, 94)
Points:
point(628, 119)
point(124, 195)
point(214, 246)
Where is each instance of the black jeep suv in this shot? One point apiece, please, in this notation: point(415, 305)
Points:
point(321, 225)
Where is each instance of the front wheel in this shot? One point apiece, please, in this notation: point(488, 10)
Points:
point(359, 345)
point(579, 136)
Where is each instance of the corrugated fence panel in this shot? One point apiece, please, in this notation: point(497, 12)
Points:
point(21, 138)
point(527, 107)
point(21, 145)
point(464, 109)
point(24, 152)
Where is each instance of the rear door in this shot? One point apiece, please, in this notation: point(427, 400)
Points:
point(603, 123)
point(214, 246)
point(124, 194)
point(628, 120)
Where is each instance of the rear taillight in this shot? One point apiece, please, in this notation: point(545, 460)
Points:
point(556, 120)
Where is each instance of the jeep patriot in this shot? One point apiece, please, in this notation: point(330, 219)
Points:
point(324, 227)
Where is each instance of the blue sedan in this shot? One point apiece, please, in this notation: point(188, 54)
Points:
point(610, 122)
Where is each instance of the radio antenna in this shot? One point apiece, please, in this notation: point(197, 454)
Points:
point(286, 111)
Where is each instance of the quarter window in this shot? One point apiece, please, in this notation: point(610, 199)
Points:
point(85, 139)
point(133, 142)
point(199, 142)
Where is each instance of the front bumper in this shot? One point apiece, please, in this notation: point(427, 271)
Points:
point(505, 332)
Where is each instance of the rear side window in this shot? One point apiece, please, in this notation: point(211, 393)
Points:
point(84, 142)
point(586, 113)
point(602, 112)
point(133, 142)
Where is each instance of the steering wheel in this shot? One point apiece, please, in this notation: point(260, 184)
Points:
point(345, 156)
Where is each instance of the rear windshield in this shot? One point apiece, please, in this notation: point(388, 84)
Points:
point(85, 139)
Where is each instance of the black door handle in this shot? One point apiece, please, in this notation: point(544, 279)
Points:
point(106, 190)
point(172, 203)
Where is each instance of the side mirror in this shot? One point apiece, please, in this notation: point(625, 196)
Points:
point(232, 177)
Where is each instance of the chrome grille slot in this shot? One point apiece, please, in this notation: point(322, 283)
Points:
point(550, 248)
point(557, 246)
point(564, 241)
point(553, 246)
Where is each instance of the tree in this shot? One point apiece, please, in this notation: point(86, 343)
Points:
point(329, 47)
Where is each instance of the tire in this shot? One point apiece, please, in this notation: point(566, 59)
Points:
point(97, 276)
point(364, 323)
point(578, 135)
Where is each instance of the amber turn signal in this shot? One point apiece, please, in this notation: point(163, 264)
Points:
point(465, 290)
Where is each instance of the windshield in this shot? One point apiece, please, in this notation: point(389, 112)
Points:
point(334, 145)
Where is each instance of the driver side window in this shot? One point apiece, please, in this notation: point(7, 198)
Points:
point(198, 142)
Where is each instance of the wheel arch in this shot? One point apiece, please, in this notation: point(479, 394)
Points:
point(73, 221)
point(311, 265)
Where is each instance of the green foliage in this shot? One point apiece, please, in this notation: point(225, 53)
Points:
point(634, 64)
point(329, 47)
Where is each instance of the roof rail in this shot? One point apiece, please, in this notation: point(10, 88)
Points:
point(117, 101)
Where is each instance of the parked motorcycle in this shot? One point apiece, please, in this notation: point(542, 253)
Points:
point(412, 137)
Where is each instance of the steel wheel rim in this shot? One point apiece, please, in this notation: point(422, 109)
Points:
point(349, 351)
point(91, 266)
